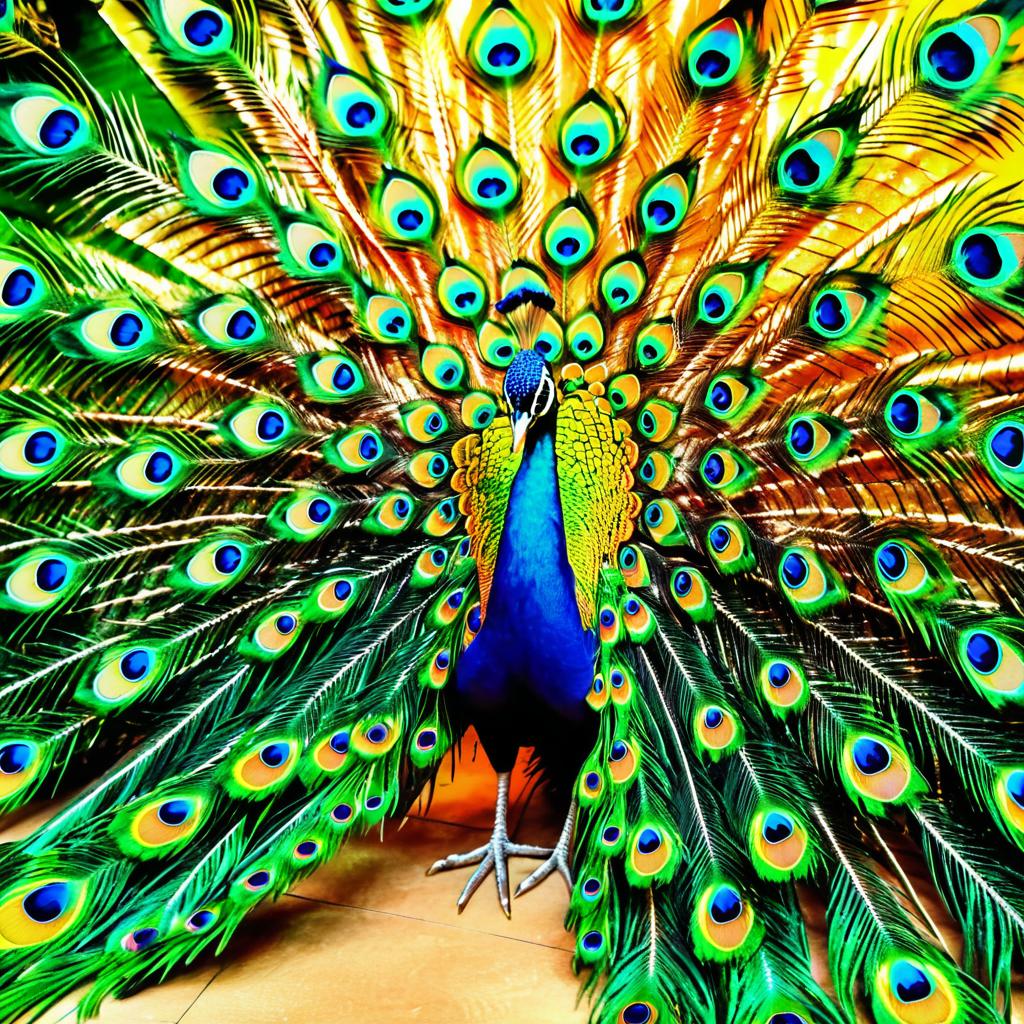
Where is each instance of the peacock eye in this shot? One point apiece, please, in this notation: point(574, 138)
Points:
point(122, 674)
point(331, 378)
point(488, 178)
point(600, 13)
point(40, 580)
point(989, 257)
point(150, 471)
point(589, 134)
point(816, 441)
point(404, 8)
point(41, 910)
point(920, 417)
point(196, 28)
point(727, 471)
point(478, 409)
point(957, 56)
point(272, 633)
point(569, 234)
point(112, 334)
point(46, 123)
point(22, 289)
point(585, 335)
point(406, 208)
point(729, 545)
point(217, 182)
point(423, 421)
point(230, 323)
point(444, 367)
point(714, 54)
point(353, 106)
point(356, 450)
point(257, 428)
point(496, 344)
point(992, 663)
point(835, 312)
point(622, 282)
point(461, 291)
point(809, 165)
point(216, 564)
point(309, 250)
point(30, 452)
point(663, 202)
point(391, 514)
point(808, 581)
point(302, 516)
point(502, 45)
point(719, 297)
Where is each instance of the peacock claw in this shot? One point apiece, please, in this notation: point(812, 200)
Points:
point(493, 856)
point(557, 861)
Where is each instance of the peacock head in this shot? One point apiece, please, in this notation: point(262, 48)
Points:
point(529, 390)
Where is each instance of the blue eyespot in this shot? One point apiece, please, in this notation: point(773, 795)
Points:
point(892, 561)
point(307, 848)
point(611, 834)
point(59, 128)
point(203, 27)
point(719, 538)
point(342, 589)
point(14, 758)
point(980, 255)
point(607, 618)
point(777, 827)
point(339, 742)
point(126, 330)
point(51, 574)
point(474, 619)
point(377, 733)
point(713, 717)
point(714, 468)
point(786, 1017)
point(19, 287)
point(323, 254)
point(270, 425)
point(373, 802)
point(909, 982)
point(47, 903)
point(649, 840)
point(174, 812)
point(273, 755)
point(159, 467)
point(40, 448)
point(1006, 444)
point(1014, 786)
point(801, 436)
point(983, 652)
point(319, 510)
point(342, 812)
point(619, 750)
point(143, 937)
point(591, 888)
point(870, 756)
point(726, 905)
point(592, 780)
point(285, 623)
point(230, 183)
point(636, 1013)
point(617, 678)
point(135, 664)
point(592, 941)
point(795, 570)
point(227, 558)
point(258, 879)
point(443, 659)
point(779, 673)
point(241, 325)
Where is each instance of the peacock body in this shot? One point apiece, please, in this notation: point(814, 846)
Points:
point(633, 380)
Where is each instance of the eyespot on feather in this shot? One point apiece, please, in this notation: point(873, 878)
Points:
point(41, 910)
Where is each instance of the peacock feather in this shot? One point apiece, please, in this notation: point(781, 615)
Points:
point(634, 380)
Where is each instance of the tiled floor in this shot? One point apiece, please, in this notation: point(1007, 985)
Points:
point(370, 938)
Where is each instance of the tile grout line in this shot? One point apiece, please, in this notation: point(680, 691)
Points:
point(427, 920)
point(216, 974)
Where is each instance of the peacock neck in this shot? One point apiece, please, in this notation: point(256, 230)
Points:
point(533, 580)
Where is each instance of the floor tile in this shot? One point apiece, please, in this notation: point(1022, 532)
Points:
point(391, 877)
point(163, 1004)
point(309, 963)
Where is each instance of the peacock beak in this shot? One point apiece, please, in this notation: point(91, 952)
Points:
point(520, 424)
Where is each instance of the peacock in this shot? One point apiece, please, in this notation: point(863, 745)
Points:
point(637, 382)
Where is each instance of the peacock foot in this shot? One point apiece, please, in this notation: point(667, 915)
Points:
point(493, 855)
point(557, 861)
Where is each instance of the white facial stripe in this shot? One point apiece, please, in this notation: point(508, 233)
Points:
point(544, 396)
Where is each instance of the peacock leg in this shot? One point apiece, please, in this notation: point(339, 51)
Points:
point(559, 859)
point(493, 855)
